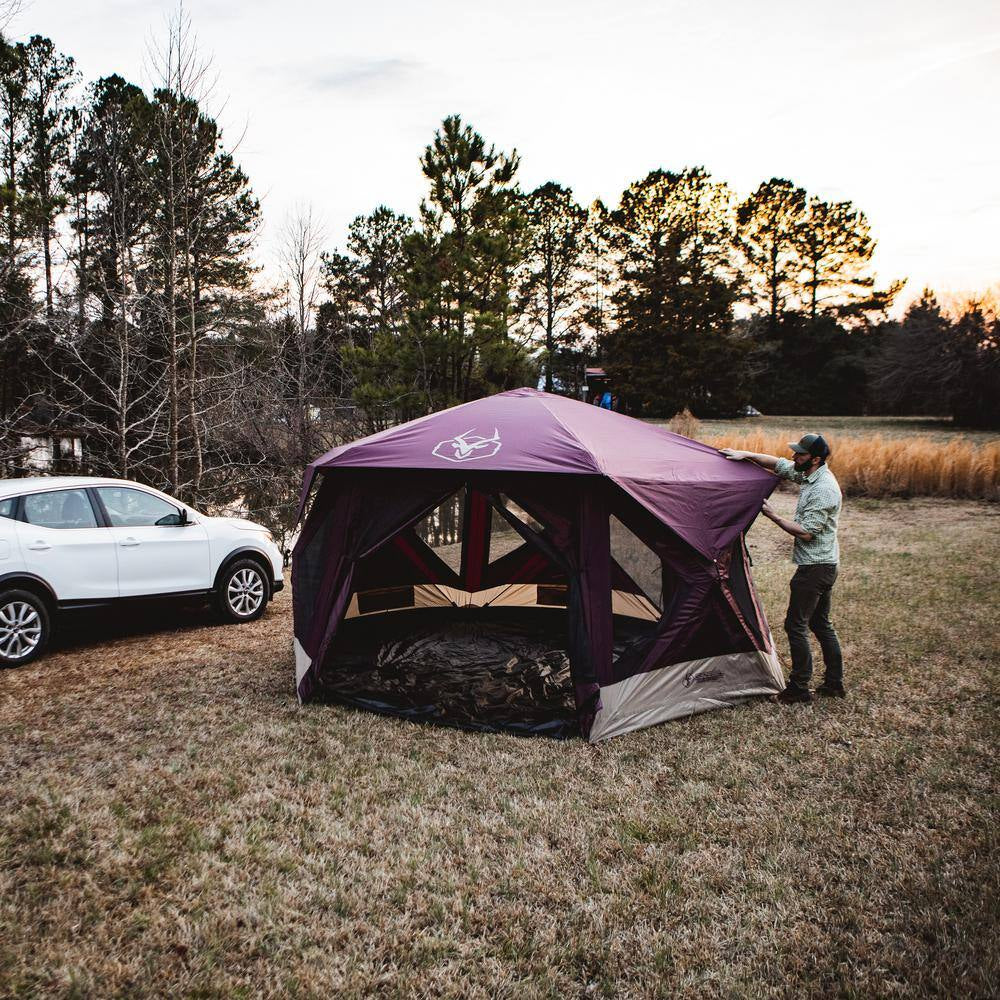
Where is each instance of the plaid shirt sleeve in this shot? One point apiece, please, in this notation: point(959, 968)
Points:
point(784, 468)
point(817, 510)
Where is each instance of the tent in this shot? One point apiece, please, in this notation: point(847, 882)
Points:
point(587, 495)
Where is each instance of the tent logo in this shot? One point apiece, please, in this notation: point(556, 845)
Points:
point(467, 447)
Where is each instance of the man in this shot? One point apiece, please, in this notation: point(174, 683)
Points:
point(816, 554)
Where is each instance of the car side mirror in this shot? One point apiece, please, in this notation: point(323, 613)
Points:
point(177, 520)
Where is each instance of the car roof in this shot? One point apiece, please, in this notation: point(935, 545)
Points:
point(32, 484)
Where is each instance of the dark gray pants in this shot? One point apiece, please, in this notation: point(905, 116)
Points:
point(809, 611)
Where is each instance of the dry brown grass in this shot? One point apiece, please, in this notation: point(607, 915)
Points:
point(879, 466)
point(685, 423)
point(174, 824)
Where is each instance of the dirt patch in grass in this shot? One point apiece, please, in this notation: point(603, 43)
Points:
point(173, 823)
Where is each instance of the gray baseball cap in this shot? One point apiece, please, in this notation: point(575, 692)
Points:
point(811, 444)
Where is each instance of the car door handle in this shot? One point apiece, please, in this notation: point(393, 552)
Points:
point(129, 543)
point(39, 546)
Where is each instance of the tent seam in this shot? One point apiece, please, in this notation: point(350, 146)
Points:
point(586, 448)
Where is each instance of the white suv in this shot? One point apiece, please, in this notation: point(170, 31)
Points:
point(77, 542)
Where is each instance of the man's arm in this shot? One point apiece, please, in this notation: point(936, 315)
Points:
point(792, 527)
point(767, 461)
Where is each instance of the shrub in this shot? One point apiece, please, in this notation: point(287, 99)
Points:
point(685, 423)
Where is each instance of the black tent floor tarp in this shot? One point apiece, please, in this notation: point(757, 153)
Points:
point(484, 669)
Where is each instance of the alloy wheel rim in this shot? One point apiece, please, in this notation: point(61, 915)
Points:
point(20, 630)
point(245, 592)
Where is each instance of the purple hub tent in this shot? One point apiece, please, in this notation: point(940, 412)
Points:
point(568, 479)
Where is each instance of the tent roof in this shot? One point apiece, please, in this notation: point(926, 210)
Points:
point(707, 499)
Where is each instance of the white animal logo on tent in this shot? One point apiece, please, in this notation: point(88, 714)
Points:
point(467, 447)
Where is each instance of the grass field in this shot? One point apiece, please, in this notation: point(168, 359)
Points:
point(173, 823)
point(872, 456)
point(935, 428)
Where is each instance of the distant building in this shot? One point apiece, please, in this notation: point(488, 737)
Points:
point(596, 382)
point(47, 450)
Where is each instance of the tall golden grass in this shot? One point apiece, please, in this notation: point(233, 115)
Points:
point(685, 423)
point(899, 467)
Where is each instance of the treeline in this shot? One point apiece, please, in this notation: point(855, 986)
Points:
point(691, 297)
point(133, 314)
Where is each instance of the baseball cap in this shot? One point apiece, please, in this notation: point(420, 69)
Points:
point(811, 444)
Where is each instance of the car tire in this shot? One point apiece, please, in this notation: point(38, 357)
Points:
point(25, 627)
point(243, 591)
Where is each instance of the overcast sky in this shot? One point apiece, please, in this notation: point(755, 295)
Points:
point(891, 103)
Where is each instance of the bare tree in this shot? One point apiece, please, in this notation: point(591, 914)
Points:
point(181, 77)
point(12, 426)
point(284, 424)
point(9, 9)
point(203, 232)
point(299, 256)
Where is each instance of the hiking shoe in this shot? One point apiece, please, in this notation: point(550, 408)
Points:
point(793, 694)
point(831, 691)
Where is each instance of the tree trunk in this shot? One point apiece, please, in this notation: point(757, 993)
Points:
point(549, 322)
point(194, 293)
point(123, 377)
point(81, 290)
point(172, 374)
point(12, 181)
point(46, 247)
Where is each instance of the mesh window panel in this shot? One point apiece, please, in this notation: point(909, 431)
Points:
point(640, 562)
point(520, 513)
point(503, 537)
point(442, 528)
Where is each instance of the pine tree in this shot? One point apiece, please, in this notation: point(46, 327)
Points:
point(107, 365)
point(14, 128)
point(914, 371)
point(835, 246)
point(461, 268)
point(359, 326)
point(769, 223)
point(366, 285)
point(17, 305)
point(553, 280)
point(109, 186)
point(975, 346)
point(674, 345)
point(203, 229)
point(50, 120)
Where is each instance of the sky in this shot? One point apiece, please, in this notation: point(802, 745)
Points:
point(892, 104)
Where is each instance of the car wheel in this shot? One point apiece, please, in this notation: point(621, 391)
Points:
point(243, 591)
point(24, 627)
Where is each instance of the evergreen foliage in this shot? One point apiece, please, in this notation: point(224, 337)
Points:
point(675, 343)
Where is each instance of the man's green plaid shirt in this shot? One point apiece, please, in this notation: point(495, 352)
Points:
point(817, 511)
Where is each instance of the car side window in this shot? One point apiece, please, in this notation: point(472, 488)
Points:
point(133, 508)
point(60, 509)
point(8, 506)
